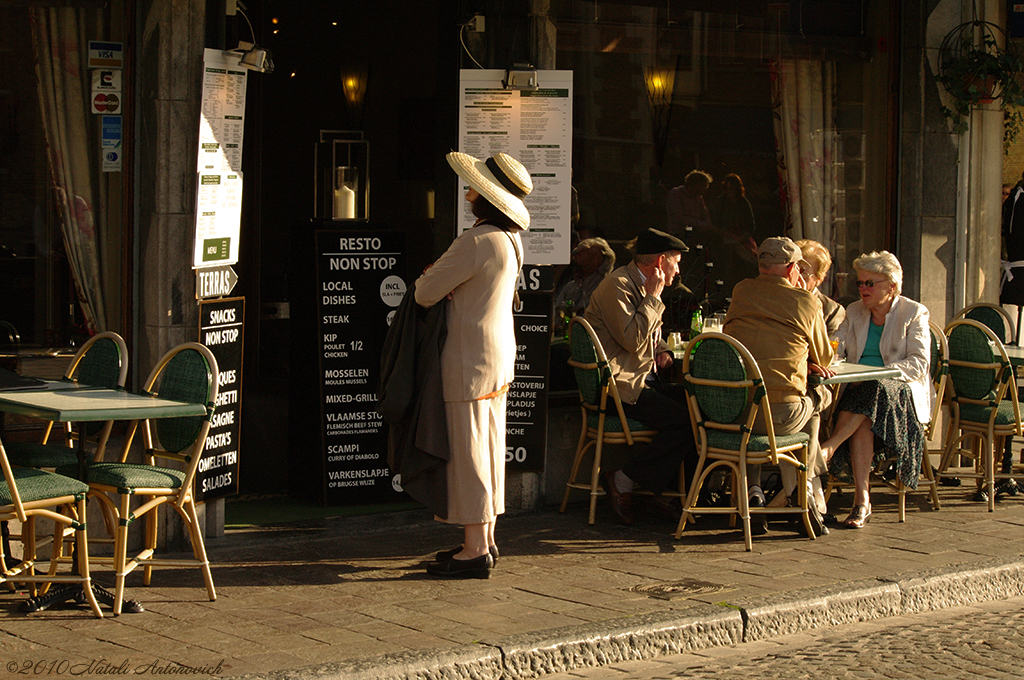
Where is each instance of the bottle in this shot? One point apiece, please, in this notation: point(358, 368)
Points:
point(696, 323)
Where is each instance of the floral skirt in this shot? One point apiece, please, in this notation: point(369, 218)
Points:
point(889, 406)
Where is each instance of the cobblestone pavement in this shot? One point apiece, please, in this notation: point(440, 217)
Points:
point(982, 641)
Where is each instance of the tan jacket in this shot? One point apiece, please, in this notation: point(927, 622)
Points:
point(783, 328)
point(480, 270)
point(625, 318)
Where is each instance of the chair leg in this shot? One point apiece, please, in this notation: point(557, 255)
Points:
point(595, 477)
point(152, 524)
point(199, 548)
point(121, 551)
point(926, 465)
point(805, 502)
point(580, 450)
point(691, 496)
point(82, 550)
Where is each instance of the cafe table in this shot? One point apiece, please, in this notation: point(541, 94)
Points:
point(847, 372)
point(65, 402)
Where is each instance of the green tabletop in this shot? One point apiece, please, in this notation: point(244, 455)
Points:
point(848, 373)
point(68, 404)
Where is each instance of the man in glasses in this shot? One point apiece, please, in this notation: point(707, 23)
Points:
point(783, 327)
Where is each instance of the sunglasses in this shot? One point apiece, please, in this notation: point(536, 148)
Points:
point(869, 284)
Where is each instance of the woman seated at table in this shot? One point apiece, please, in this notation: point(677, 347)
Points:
point(813, 267)
point(881, 418)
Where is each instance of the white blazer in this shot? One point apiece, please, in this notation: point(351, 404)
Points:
point(905, 345)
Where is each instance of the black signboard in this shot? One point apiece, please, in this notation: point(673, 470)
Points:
point(359, 287)
point(220, 329)
point(526, 410)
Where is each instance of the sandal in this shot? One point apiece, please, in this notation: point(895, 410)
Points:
point(858, 517)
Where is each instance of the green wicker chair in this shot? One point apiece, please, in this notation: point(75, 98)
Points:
point(726, 396)
point(28, 493)
point(983, 403)
point(186, 373)
point(598, 397)
point(102, 362)
point(992, 316)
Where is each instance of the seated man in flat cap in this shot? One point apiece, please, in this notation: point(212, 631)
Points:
point(625, 311)
point(783, 327)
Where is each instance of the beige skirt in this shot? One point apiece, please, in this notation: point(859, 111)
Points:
point(476, 467)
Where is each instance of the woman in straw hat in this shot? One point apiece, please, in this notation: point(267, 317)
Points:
point(478, 273)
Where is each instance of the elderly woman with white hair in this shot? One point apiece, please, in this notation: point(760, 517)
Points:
point(881, 417)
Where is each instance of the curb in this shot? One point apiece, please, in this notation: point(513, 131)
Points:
point(704, 626)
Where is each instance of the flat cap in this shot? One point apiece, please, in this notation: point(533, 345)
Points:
point(653, 241)
point(778, 250)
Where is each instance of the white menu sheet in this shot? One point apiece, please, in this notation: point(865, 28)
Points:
point(535, 127)
point(219, 162)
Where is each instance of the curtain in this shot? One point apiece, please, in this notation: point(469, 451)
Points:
point(803, 103)
point(60, 39)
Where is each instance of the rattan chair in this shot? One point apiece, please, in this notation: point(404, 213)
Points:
point(28, 493)
point(980, 380)
point(726, 397)
point(599, 397)
point(992, 316)
point(186, 373)
point(101, 362)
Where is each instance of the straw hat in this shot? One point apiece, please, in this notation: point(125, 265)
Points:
point(501, 179)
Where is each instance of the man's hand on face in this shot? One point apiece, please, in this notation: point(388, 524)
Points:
point(655, 283)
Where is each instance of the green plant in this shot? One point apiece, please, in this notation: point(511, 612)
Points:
point(977, 71)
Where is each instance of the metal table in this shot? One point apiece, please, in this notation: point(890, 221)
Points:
point(64, 402)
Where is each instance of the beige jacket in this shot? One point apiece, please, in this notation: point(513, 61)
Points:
point(625, 318)
point(783, 328)
point(480, 270)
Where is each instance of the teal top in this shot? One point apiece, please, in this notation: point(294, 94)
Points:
point(872, 355)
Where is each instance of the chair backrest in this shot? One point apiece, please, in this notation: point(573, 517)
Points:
point(594, 377)
point(992, 316)
point(186, 373)
point(588, 361)
point(102, 361)
point(724, 387)
point(979, 370)
point(939, 372)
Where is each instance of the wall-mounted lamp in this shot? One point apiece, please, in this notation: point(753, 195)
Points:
point(355, 76)
point(520, 77)
point(253, 57)
point(257, 59)
point(659, 79)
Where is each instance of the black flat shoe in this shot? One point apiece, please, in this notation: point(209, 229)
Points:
point(478, 567)
point(446, 555)
point(817, 522)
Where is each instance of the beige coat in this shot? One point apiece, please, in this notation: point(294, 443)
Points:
point(480, 270)
point(625, 318)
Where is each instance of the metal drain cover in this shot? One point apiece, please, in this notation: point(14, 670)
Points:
point(677, 590)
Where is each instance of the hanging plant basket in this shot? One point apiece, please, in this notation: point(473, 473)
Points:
point(975, 70)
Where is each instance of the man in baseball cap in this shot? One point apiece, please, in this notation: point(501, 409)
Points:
point(783, 327)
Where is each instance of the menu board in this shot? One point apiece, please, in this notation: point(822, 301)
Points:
point(359, 288)
point(219, 162)
point(220, 329)
point(535, 127)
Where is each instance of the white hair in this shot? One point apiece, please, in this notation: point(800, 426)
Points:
point(882, 262)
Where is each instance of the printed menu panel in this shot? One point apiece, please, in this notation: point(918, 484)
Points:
point(359, 287)
point(534, 126)
point(220, 329)
point(219, 161)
